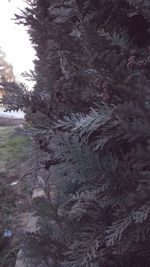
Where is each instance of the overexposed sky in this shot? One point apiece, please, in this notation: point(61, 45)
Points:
point(14, 39)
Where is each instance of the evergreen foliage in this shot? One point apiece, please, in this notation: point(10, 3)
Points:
point(91, 53)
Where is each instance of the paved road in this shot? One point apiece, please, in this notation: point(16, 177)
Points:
point(12, 114)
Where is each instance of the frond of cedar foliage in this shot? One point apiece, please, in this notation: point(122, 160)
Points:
point(86, 122)
point(69, 63)
point(45, 245)
point(107, 179)
point(77, 163)
point(122, 177)
point(141, 4)
point(90, 52)
point(16, 96)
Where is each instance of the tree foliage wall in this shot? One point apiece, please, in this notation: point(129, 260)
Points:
point(90, 112)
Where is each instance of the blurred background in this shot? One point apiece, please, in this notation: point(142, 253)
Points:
point(16, 52)
point(14, 41)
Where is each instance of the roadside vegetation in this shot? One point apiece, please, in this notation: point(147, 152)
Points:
point(14, 163)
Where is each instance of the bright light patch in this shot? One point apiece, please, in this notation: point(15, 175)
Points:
point(14, 39)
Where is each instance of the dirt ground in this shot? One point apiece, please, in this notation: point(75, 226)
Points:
point(6, 121)
point(15, 194)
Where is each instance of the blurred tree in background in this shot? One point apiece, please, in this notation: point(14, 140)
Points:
point(6, 71)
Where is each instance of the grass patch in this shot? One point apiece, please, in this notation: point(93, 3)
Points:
point(8, 209)
point(15, 158)
point(13, 148)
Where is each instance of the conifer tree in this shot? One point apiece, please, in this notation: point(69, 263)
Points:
point(92, 78)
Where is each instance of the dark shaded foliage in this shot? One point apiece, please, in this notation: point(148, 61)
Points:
point(91, 54)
